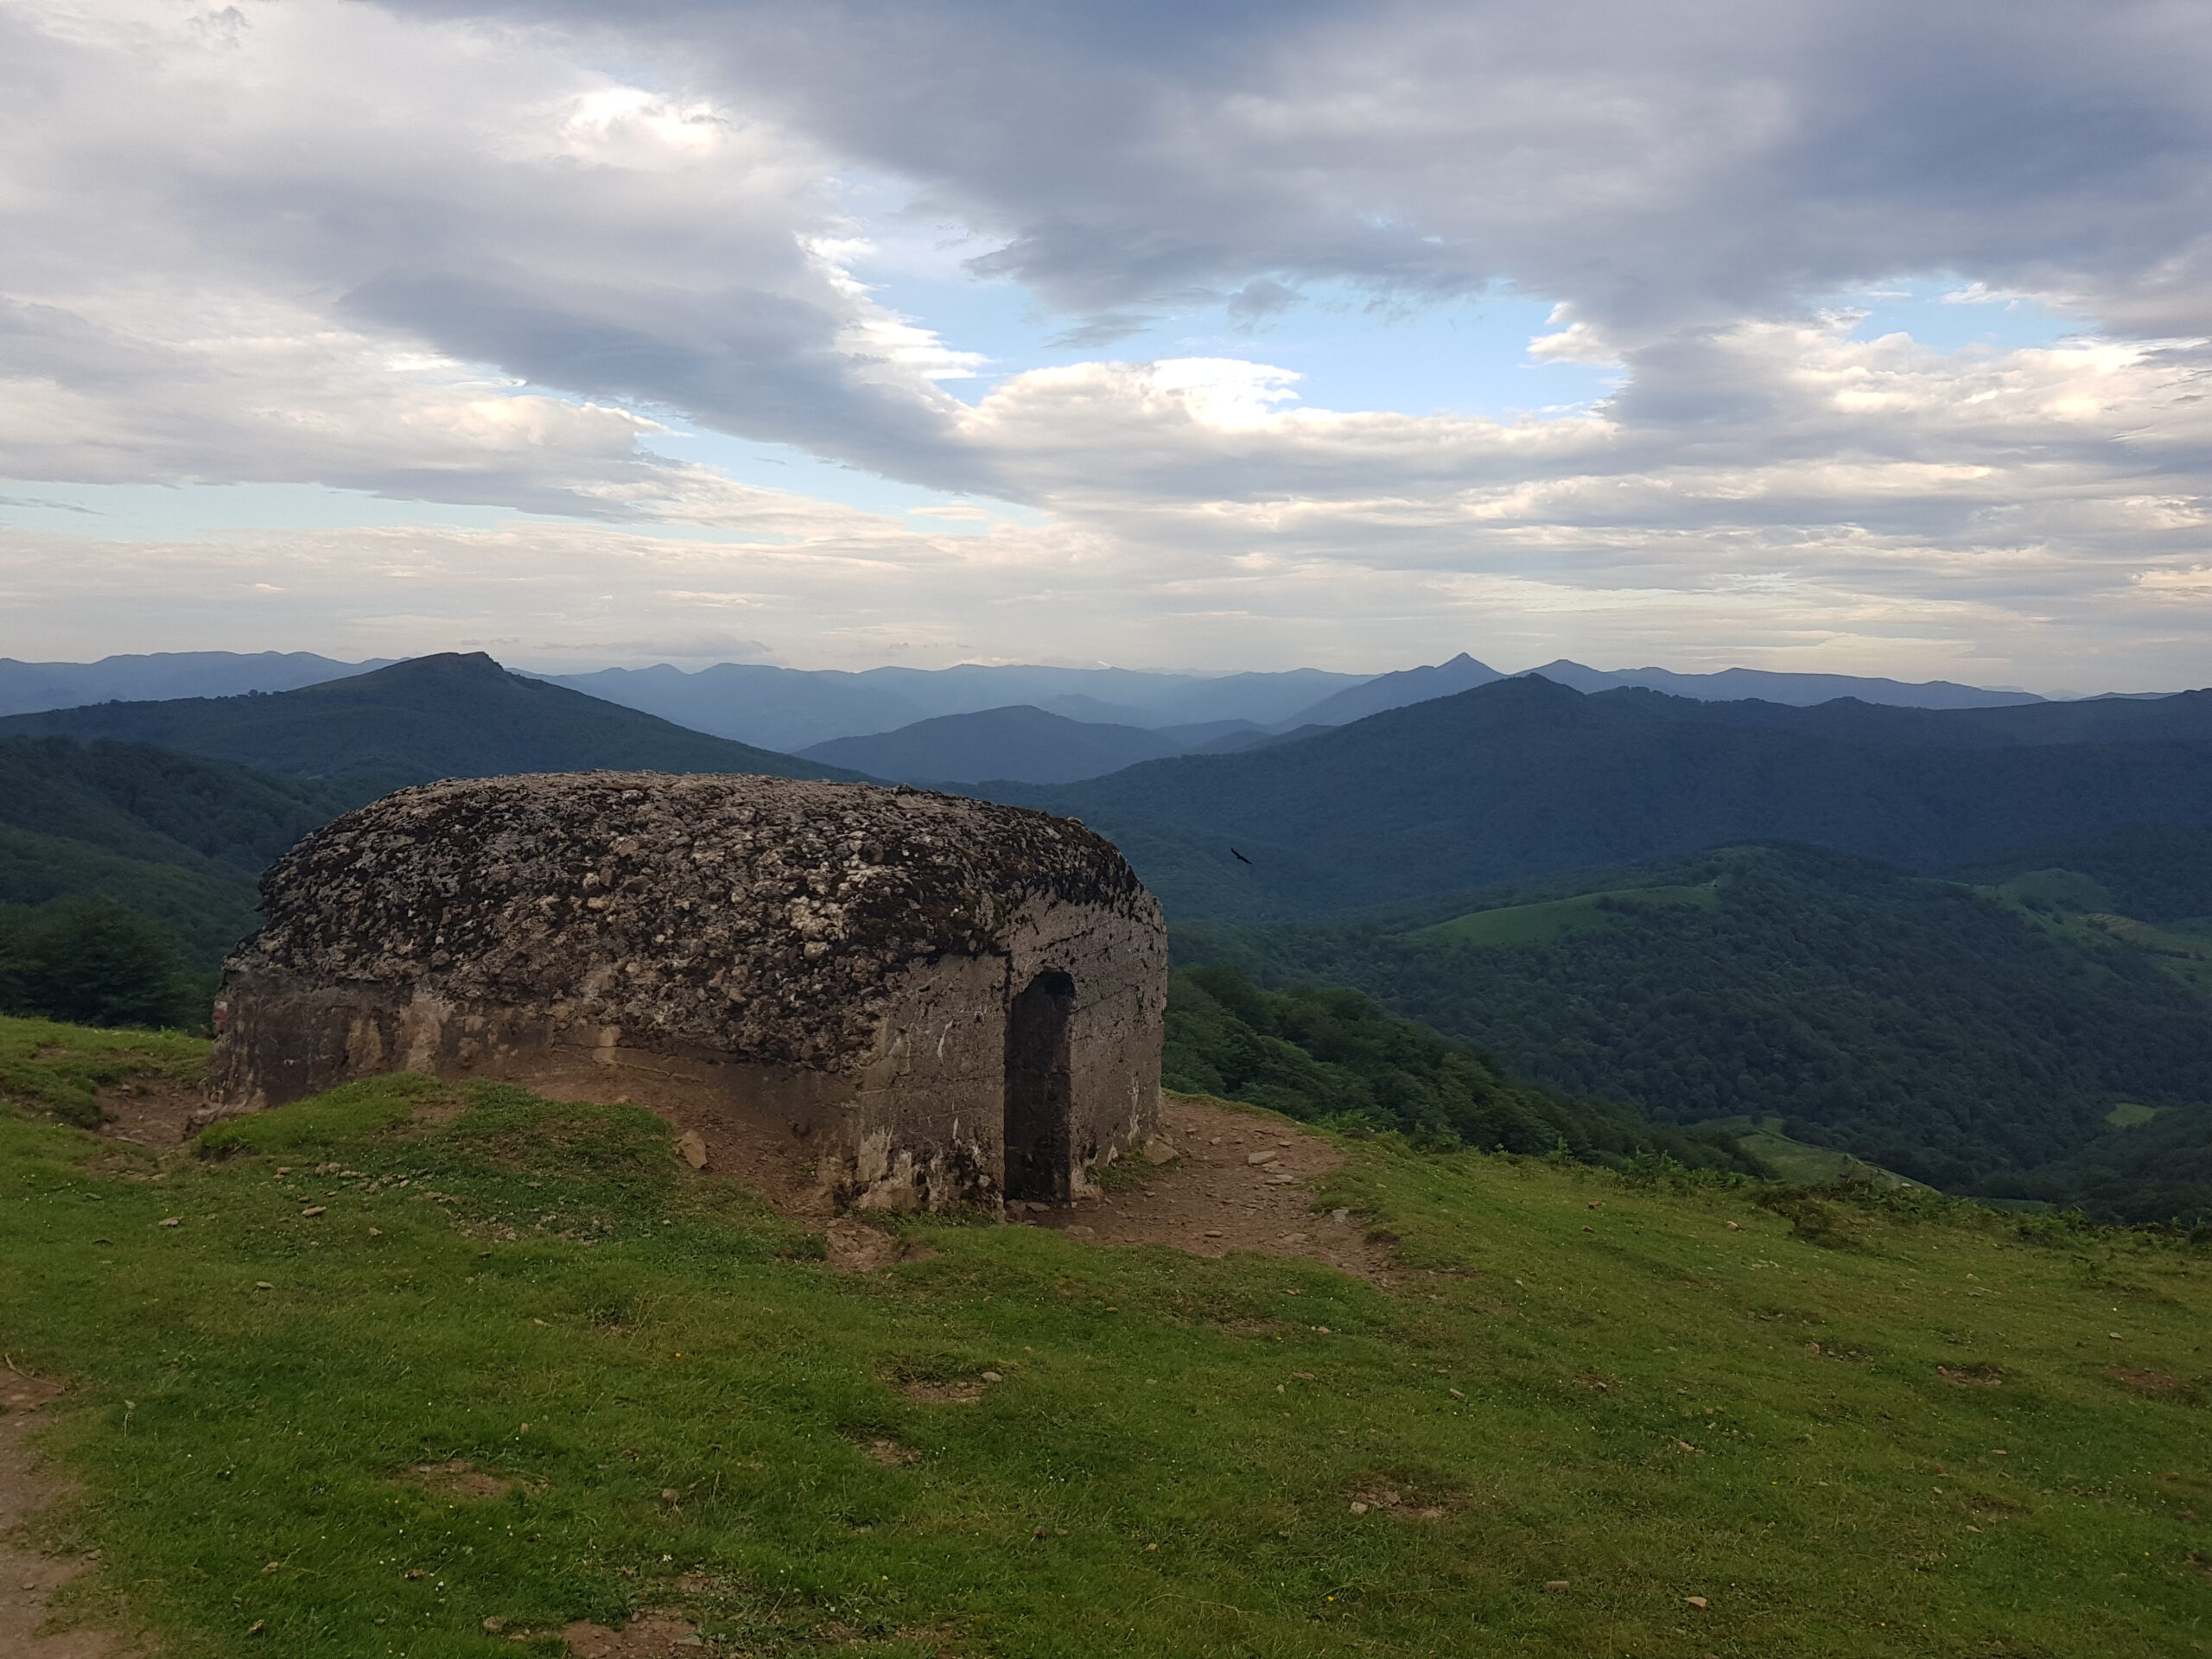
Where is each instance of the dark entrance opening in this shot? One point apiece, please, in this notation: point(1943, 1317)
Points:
point(1039, 1094)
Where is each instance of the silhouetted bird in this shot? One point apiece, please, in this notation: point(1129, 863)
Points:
point(1241, 859)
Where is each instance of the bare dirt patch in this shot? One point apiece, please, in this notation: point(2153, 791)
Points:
point(27, 1580)
point(2157, 1384)
point(159, 1112)
point(1405, 1502)
point(890, 1453)
point(459, 1478)
point(941, 1391)
point(855, 1247)
point(649, 1635)
point(1972, 1376)
point(1240, 1180)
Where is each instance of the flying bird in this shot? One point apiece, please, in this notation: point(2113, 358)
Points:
point(1241, 859)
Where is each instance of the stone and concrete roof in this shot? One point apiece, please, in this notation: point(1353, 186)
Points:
point(759, 917)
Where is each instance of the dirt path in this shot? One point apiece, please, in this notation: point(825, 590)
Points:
point(27, 1581)
point(1215, 1199)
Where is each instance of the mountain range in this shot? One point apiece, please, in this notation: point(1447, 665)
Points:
point(794, 708)
point(1024, 744)
point(790, 711)
point(1521, 777)
point(1950, 941)
point(161, 675)
point(453, 716)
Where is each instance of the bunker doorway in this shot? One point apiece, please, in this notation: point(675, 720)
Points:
point(1040, 1096)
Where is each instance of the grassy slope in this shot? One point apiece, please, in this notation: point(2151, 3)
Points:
point(1540, 1375)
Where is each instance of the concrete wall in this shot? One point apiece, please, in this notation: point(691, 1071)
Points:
point(915, 1120)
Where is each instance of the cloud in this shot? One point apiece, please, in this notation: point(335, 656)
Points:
point(1781, 495)
point(443, 260)
point(441, 250)
point(1654, 167)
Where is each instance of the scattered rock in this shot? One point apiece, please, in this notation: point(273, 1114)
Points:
point(693, 1146)
point(1556, 1584)
point(1698, 1602)
point(1265, 1157)
point(313, 1209)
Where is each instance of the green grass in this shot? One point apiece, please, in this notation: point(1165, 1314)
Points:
point(1540, 924)
point(1648, 1390)
point(1799, 1161)
point(2127, 1115)
point(61, 1070)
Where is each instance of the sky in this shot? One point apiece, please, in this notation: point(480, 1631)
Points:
point(1860, 338)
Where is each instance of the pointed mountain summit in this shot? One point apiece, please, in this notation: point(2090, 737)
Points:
point(455, 714)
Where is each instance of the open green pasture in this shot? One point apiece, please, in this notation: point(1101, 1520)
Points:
point(1540, 924)
point(1884, 1426)
point(1802, 1162)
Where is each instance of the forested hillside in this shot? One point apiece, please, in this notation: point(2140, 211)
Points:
point(179, 839)
point(1522, 777)
point(1337, 1056)
point(1951, 1034)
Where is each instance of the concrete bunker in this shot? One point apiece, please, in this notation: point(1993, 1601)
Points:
point(942, 1000)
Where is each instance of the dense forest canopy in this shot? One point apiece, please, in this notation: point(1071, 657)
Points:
point(1335, 1055)
point(1929, 1026)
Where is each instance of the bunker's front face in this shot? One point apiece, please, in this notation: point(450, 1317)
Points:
point(945, 1000)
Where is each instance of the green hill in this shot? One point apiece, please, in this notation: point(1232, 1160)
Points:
point(177, 838)
point(2153, 872)
point(1927, 1027)
point(1522, 777)
point(444, 716)
point(397, 1372)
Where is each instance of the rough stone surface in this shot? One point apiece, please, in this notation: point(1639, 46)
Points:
point(839, 956)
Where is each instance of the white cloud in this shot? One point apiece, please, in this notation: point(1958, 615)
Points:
point(1656, 166)
point(316, 241)
point(441, 251)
